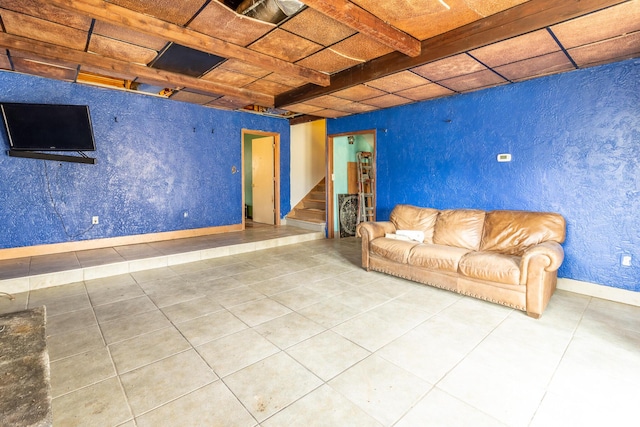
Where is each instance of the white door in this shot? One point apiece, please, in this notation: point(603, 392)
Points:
point(262, 168)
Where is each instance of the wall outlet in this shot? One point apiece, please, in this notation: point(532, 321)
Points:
point(185, 214)
point(95, 220)
point(626, 260)
point(505, 157)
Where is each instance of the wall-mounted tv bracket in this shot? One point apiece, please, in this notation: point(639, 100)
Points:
point(56, 157)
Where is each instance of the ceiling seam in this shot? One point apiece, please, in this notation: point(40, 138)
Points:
point(195, 15)
point(562, 48)
point(89, 34)
point(488, 68)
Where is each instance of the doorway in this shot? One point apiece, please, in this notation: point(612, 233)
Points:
point(261, 177)
point(342, 188)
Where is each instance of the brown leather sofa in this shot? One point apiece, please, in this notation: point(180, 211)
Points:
point(507, 257)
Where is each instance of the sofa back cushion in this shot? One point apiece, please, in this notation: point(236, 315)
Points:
point(407, 217)
point(513, 232)
point(459, 227)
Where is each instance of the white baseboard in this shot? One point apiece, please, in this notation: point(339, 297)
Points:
point(600, 291)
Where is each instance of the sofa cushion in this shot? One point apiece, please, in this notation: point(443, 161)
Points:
point(407, 217)
point(392, 249)
point(513, 232)
point(459, 227)
point(491, 266)
point(436, 257)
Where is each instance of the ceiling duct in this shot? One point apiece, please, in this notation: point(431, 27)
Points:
point(274, 11)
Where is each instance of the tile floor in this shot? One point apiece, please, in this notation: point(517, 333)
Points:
point(300, 335)
point(29, 273)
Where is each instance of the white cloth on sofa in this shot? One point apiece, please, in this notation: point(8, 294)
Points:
point(415, 235)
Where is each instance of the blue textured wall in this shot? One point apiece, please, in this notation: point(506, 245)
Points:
point(156, 159)
point(575, 142)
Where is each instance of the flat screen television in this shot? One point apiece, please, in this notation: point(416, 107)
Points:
point(48, 127)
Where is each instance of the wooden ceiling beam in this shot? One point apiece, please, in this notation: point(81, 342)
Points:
point(171, 80)
point(117, 15)
point(367, 23)
point(524, 18)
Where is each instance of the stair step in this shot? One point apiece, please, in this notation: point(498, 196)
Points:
point(314, 204)
point(306, 214)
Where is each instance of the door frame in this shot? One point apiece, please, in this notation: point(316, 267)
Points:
point(276, 171)
point(329, 181)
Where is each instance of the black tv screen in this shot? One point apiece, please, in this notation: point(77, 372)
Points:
point(48, 127)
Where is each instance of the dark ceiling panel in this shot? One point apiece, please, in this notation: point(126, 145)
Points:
point(184, 60)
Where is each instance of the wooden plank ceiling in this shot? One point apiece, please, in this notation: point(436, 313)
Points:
point(325, 58)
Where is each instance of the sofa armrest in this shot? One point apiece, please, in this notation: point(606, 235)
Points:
point(374, 230)
point(552, 256)
point(370, 231)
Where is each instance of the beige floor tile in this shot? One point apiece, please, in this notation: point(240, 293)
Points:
point(266, 387)
point(101, 404)
point(400, 314)
point(148, 348)
point(390, 287)
point(329, 313)
point(154, 385)
point(119, 309)
point(596, 366)
point(438, 409)
point(56, 306)
point(237, 351)
point(429, 299)
point(70, 321)
point(74, 342)
point(210, 327)
point(275, 286)
point(235, 296)
point(362, 299)
point(323, 407)
point(380, 388)
point(191, 309)
point(236, 268)
point(289, 330)
point(79, 371)
point(37, 297)
point(441, 341)
point(101, 256)
point(216, 286)
point(327, 354)
point(329, 287)
point(479, 313)
point(299, 297)
point(257, 275)
point(168, 297)
point(369, 331)
point(511, 399)
point(599, 409)
point(153, 274)
point(211, 405)
point(105, 283)
point(130, 326)
point(360, 277)
point(257, 312)
point(114, 292)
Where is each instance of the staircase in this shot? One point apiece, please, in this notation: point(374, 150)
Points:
point(311, 212)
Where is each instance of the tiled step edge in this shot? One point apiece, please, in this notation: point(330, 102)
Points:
point(27, 283)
